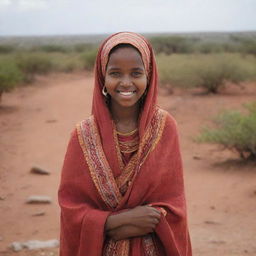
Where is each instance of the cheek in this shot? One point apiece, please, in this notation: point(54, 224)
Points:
point(143, 83)
point(109, 83)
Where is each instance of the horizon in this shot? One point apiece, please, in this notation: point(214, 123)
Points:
point(143, 33)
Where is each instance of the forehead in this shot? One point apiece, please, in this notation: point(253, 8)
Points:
point(125, 56)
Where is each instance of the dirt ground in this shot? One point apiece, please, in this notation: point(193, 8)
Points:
point(35, 125)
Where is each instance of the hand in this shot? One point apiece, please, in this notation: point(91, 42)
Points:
point(140, 216)
point(145, 217)
point(127, 231)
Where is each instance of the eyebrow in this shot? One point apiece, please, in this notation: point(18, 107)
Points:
point(134, 69)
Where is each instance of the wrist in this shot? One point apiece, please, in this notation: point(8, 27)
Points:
point(117, 220)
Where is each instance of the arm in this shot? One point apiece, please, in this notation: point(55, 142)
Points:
point(138, 221)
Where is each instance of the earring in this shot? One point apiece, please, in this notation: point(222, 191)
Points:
point(104, 91)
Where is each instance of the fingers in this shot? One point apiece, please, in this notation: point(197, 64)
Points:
point(154, 212)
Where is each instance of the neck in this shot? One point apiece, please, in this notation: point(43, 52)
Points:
point(124, 114)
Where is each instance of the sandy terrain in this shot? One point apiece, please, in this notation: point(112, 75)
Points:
point(35, 124)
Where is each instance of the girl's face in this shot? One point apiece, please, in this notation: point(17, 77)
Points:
point(125, 78)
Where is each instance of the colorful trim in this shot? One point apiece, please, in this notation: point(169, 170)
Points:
point(119, 248)
point(100, 171)
point(128, 133)
point(149, 246)
point(148, 144)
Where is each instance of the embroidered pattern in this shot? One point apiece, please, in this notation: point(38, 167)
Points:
point(99, 168)
point(119, 248)
point(149, 246)
point(149, 141)
point(111, 190)
point(128, 146)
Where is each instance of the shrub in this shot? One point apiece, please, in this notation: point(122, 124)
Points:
point(32, 64)
point(10, 76)
point(52, 48)
point(235, 131)
point(83, 47)
point(208, 71)
point(249, 47)
point(214, 74)
point(88, 59)
point(210, 47)
point(172, 44)
point(5, 49)
point(177, 70)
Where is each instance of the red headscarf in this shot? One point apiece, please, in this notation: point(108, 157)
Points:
point(92, 180)
point(99, 107)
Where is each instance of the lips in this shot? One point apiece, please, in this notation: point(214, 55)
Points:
point(126, 93)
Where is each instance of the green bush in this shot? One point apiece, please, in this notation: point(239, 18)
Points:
point(83, 47)
point(33, 64)
point(208, 71)
point(177, 70)
point(235, 131)
point(249, 47)
point(52, 48)
point(88, 59)
point(10, 76)
point(213, 75)
point(5, 49)
point(172, 44)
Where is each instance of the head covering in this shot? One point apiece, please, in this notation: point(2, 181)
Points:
point(126, 38)
point(99, 108)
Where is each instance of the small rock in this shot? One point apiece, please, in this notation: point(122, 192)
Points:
point(39, 200)
point(38, 170)
point(34, 244)
point(16, 246)
point(212, 207)
point(38, 214)
point(2, 197)
point(211, 222)
point(197, 157)
point(217, 242)
point(51, 121)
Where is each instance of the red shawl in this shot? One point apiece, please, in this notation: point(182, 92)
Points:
point(95, 183)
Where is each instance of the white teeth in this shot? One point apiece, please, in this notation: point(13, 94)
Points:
point(126, 93)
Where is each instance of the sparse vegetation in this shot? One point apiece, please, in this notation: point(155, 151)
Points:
point(33, 64)
point(235, 131)
point(184, 60)
point(208, 71)
point(172, 44)
point(10, 75)
point(88, 59)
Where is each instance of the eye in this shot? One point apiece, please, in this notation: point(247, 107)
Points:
point(114, 74)
point(137, 74)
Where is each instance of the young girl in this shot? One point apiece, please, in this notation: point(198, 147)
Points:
point(122, 190)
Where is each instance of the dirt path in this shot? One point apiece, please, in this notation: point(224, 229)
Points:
point(35, 123)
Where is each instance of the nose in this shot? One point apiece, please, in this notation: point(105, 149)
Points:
point(126, 81)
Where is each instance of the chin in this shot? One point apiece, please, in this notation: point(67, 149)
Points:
point(128, 104)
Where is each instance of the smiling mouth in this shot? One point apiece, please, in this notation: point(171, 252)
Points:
point(126, 93)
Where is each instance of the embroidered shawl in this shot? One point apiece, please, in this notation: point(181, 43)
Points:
point(95, 183)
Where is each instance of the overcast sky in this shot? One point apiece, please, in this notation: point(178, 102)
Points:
point(58, 17)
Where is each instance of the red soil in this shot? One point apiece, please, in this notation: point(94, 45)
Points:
point(35, 124)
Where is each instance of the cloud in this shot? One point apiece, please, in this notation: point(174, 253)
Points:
point(24, 5)
point(4, 3)
point(32, 4)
